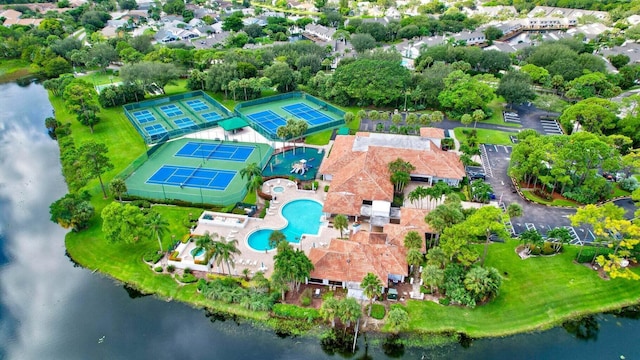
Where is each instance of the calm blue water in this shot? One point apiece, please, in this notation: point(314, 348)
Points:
point(303, 217)
point(197, 253)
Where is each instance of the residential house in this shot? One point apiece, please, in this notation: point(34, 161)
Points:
point(319, 32)
point(570, 15)
point(360, 179)
point(12, 17)
point(345, 263)
point(631, 49)
point(471, 38)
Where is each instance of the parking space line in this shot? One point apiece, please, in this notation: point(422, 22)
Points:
point(530, 226)
point(485, 161)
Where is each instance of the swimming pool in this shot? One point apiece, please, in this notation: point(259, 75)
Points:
point(195, 253)
point(278, 189)
point(303, 217)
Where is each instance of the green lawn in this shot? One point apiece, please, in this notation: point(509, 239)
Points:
point(320, 138)
point(487, 136)
point(538, 293)
point(13, 69)
point(497, 105)
point(556, 202)
point(100, 77)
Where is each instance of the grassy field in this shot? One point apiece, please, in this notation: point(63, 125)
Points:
point(537, 293)
point(497, 105)
point(486, 136)
point(13, 69)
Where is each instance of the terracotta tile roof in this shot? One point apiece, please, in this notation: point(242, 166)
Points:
point(410, 220)
point(350, 260)
point(432, 133)
point(364, 174)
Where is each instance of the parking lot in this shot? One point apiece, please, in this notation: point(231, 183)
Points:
point(539, 217)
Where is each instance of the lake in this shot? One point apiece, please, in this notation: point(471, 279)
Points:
point(50, 309)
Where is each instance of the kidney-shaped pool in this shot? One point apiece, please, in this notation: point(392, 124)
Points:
point(303, 217)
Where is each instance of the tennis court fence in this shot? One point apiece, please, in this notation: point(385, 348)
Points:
point(170, 194)
point(292, 95)
point(174, 133)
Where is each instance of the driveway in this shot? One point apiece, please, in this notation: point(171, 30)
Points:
point(535, 216)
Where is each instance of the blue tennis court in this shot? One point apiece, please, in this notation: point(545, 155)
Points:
point(306, 112)
point(268, 120)
point(219, 151)
point(211, 116)
point(197, 105)
point(155, 129)
point(144, 116)
point(184, 176)
point(184, 123)
point(171, 110)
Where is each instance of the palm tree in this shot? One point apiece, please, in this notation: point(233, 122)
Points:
point(250, 171)
point(413, 240)
point(399, 180)
point(118, 187)
point(275, 238)
point(433, 276)
point(204, 242)
point(436, 256)
point(157, 225)
point(226, 252)
point(283, 132)
point(514, 210)
point(437, 116)
point(371, 286)
point(349, 310)
point(254, 184)
point(414, 257)
point(398, 319)
point(340, 222)
point(329, 310)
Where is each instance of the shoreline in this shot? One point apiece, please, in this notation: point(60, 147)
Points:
point(91, 251)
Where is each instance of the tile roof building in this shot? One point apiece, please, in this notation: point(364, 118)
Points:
point(357, 167)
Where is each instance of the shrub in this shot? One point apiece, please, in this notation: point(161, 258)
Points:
point(548, 249)
point(152, 257)
point(296, 312)
point(187, 270)
point(158, 269)
point(377, 311)
point(188, 278)
point(174, 256)
point(543, 194)
point(327, 295)
point(145, 204)
point(535, 250)
point(629, 184)
point(171, 268)
point(444, 301)
point(326, 188)
point(425, 289)
point(305, 297)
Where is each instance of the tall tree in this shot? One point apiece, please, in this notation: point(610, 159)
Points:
point(484, 222)
point(348, 311)
point(157, 226)
point(282, 76)
point(275, 238)
point(340, 222)
point(413, 240)
point(516, 88)
point(72, 211)
point(122, 222)
point(433, 276)
point(118, 187)
point(398, 319)
point(372, 288)
point(329, 310)
point(94, 160)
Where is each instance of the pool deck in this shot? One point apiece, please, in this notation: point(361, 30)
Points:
point(272, 220)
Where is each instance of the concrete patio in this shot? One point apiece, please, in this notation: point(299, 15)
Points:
point(253, 259)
